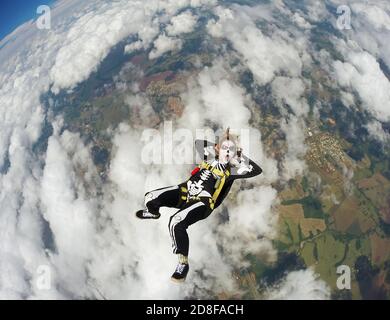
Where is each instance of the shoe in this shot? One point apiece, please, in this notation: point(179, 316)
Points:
point(180, 273)
point(145, 214)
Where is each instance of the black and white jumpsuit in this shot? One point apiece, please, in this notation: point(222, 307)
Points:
point(197, 197)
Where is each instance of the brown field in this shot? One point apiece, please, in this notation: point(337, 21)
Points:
point(289, 222)
point(380, 249)
point(312, 225)
point(247, 280)
point(365, 222)
point(377, 189)
point(156, 77)
point(292, 193)
point(377, 180)
point(293, 211)
point(346, 214)
point(295, 214)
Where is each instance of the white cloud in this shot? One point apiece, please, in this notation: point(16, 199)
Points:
point(300, 21)
point(300, 285)
point(164, 44)
point(265, 56)
point(375, 15)
point(70, 209)
point(294, 163)
point(251, 226)
point(362, 74)
point(183, 23)
point(370, 26)
point(347, 98)
point(316, 10)
point(133, 246)
point(137, 45)
point(291, 91)
point(90, 38)
point(223, 101)
point(375, 129)
point(26, 61)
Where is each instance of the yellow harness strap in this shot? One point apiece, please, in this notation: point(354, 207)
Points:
point(183, 193)
point(222, 175)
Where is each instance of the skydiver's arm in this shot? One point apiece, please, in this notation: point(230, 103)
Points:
point(246, 168)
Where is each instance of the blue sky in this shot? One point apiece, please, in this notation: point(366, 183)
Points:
point(13, 13)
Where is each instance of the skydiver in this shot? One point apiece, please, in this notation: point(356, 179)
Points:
point(197, 197)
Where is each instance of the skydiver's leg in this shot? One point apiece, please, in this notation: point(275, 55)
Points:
point(178, 224)
point(162, 197)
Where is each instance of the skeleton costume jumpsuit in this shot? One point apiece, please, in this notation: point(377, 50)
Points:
point(197, 197)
